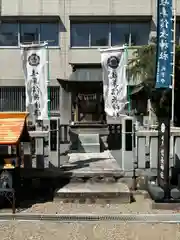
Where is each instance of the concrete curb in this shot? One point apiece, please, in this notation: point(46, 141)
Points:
point(166, 206)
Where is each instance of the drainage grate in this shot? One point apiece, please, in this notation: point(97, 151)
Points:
point(143, 218)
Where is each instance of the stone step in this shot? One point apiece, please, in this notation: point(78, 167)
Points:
point(88, 143)
point(97, 192)
point(89, 148)
point(89, 130)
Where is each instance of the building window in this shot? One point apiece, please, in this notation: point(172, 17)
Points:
point(139, 33)
point(99, 34)
point(29, 33)
point(12, 34)
point(132, 34)
point(109, 34)
point(119, 34)
point(89, 35)
point(50, 32)
point(8, 34)
point(80, 35)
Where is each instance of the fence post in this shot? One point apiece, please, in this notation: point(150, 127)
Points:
point(39, 146)
point(127, 143)
point(27, 155)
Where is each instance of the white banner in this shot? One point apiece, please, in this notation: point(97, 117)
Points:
point(35, 68)
point(114, 63)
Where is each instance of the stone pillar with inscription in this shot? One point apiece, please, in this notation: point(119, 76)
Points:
point(164, 73)
point(163, 154)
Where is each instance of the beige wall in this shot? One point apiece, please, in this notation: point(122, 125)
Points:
point(11, 73)
point(76, 7)
point(10, 67)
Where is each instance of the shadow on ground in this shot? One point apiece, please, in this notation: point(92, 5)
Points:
point(81, 164)
point(30, 195)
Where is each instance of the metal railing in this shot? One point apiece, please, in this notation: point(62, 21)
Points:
point(13, 99)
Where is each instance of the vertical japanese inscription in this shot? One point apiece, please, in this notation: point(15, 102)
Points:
point(113, 63)
point(34, 61)
point(164, 44)
point(35, 93)
point(163, 158)
point(162, 146)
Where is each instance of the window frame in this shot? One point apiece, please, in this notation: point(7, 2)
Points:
point(16, 46)
point(30, 22)
point(89, 40)
point(129, 23)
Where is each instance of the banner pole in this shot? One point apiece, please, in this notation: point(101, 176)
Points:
point(174, 55)
point(48, 83)
point(128, 87)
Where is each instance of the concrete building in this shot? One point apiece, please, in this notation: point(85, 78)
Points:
point(75, 30)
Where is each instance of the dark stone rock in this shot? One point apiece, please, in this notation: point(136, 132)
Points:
point(175, 193)
point(156, 192)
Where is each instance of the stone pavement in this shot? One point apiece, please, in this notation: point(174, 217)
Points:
point(88, 231)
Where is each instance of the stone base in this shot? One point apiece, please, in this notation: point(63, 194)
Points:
point(94, 192)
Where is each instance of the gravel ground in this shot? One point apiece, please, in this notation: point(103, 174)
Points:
point(88, 231)
point(140, 206)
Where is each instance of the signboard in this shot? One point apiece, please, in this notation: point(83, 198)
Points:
point(87, 97)
point(164, 44)
point(163, 158)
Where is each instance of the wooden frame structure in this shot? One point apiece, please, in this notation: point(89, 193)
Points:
point(13, 132)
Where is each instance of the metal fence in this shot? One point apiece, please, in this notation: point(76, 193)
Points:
point(13, 99)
